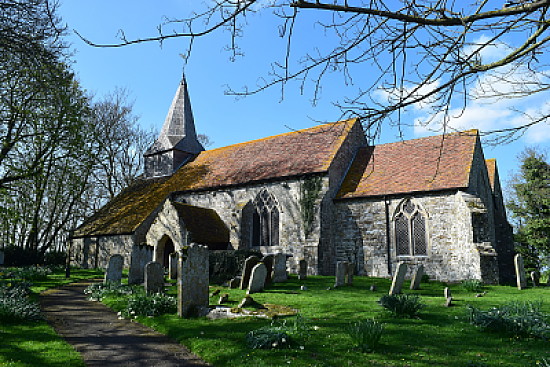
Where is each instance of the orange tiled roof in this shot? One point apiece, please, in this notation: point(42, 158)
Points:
point(295, 153)
point(491, 170)
point(426, 164)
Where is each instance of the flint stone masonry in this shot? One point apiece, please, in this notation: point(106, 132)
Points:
point(520, 272)
point(114, 269)
point(398, 279)
point(173, 265)
point(417, 277)
point(249, 264)
point(302, 269)
point(141, 255)
point(279, 268)
point(154, 278)
point(192, 279)
point(257, 279)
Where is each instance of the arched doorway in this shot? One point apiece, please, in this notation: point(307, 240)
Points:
point(168, 249)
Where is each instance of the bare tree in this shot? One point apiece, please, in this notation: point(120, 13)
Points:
point(430, 54)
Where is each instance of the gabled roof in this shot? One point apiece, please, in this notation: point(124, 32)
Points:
point(292, 154)
point(492, 171)
point(427, 164)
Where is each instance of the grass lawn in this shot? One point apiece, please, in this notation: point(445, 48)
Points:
point(24, 344)
point(441, 336)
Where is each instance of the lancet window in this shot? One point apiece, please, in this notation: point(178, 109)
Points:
point(265, 220)
point(410, 230)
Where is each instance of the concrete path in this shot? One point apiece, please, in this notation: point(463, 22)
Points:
point(103, 340)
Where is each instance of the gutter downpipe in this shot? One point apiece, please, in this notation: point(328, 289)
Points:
point(388, 242)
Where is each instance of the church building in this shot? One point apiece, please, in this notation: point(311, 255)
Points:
point(322, 194)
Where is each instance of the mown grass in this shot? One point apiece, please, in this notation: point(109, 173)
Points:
point(27, 343)
point(441, 336)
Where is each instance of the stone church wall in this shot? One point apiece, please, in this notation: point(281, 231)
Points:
point(94, 252)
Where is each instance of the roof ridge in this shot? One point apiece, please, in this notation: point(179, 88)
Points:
point(469, 132)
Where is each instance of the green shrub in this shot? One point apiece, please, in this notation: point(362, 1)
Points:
point(153, 305)
point(515, 318)
point(15, 304)
point(224, 265)
point(19, 256)
point(284, 334)
point(28, 273)
point(97, 291)
point(402, 305)
point(55, 258)
point(472, 285)
point(365, 334)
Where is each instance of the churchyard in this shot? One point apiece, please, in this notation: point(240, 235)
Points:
point(320, 333)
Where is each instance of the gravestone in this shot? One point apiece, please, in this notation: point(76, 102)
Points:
point(448, 301)
point(447, 292)
point(341, 271)
point(192, 279)
point(535, 278)
point(302, 269)
point(520, 272)
point(350, 270)
point(224, 298)
point(279, 268)
point(417, 277)
point(173, 265)
point(257, 279)
point(1, 257)
point(249, 263)
point(154, 278)
point(141, 255)
point(114, 269)
point(398, 279)
point(268, 262)
point(235, 283)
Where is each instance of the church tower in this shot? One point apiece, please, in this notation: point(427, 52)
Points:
point(177, 142)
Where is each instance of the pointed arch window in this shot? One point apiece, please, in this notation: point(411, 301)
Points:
point(410, 230)
point(265, 220)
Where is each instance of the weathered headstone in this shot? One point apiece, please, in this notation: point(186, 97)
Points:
point(246, 301)
point(535, 278)
point(173, 265)
point(192, 279)
point(257, 279)
point(223, 298)
point(373, 288)
point(249, 263)
point(268, 262)
point(235, 283)
point(417, 277)
point(154, 278)
point(448, 301)
point(1, 257)
point(447, 292)
point(302, 269)
point(350, 270)
point(141, 255)
point(341, 271)
point(398, 279)
point(520, 272)
point(114, 269)
point(279, 268)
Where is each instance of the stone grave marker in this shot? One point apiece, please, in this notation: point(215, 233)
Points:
point(173, 265)
point(268, 262)
point(535, 278)
point(257, 279)
point(417, 277)
point(520, 272)
point(302, 269)
point(154, 278)
point(223, 298)
point(448, 301)
point(279, 268)
point(249, 263)
point(341, 272)
point(114, 269)
point(192, 279)
point(350, 270)
point(447, 292)
point(235, 283)
point(141, 255)
point(398, 279)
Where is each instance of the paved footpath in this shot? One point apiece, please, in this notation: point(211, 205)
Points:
point(103, 340)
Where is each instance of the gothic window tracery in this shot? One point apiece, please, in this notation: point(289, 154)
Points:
point(410, 232)
point(265, 220)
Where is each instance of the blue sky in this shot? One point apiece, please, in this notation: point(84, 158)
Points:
point(151, 75)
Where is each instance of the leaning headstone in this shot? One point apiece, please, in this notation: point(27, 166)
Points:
point(302, 269)
point(192, 279)
point(417, 277)
point(279, 268)
point(341, 271)
point(141, 255)
point(350, 270)
point(447, 292)
point(249, 263)
point(223, 298)
point(268, 262)
point(520, 272)
point(398, 279)
point(535, 278)
point(154, 278)
point(1, 257)
point(114, 269)
point(448, 301)
point(257, 279)
point(173, 265)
